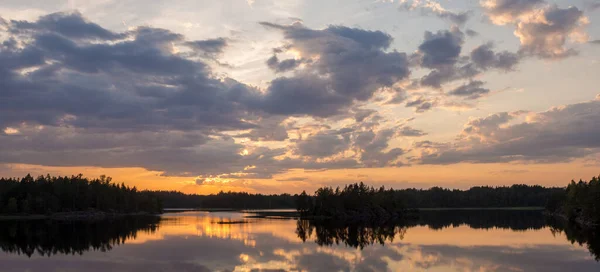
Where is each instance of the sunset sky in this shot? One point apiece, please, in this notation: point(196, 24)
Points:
point(277, 96)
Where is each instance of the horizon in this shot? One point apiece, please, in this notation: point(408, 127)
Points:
point(272, 97)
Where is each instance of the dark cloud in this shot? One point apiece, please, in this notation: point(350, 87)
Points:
point(485, 58)
point(372, 148)
point(421, 104)
point(210, 47)
point(350, 65)
point(595, 42)
point(444, 74)
point(471, 33)
point(560, 134)
point(321, 145)
point(70, 25)
point(282, 66)
point(441, 53)
point(508, 11)
point(441, 48)
point(267, 129)
point(362, 114)
point(303, 94)
point(471, 90)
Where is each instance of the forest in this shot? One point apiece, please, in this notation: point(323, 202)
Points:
point(360, 199)
point(46, 194)
point(49, 195)
point(354, 202)
point(579, 203)
point(226, 200)
point(436, 197)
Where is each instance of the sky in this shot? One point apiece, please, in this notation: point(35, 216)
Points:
point(274, 96)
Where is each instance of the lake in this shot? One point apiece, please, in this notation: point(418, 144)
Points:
point(469, 240)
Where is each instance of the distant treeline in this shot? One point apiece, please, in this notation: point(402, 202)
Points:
point(226, 200)
point(580, 202)
point(436, 197)
point(47, 195)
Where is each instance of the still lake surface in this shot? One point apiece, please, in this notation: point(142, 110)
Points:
point(476, 240)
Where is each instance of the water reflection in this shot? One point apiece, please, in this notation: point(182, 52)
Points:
point(47, 238)
point(517, 220)
point(200, 241)
point(589, 237)
point(327, 233)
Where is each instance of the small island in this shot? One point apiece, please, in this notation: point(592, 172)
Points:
point(72, 198)
point(355, 202)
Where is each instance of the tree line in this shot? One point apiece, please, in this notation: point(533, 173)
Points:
point(579, 203)
point(226, 200)
point(364, 201)
point(436, 197)
point(48, 195)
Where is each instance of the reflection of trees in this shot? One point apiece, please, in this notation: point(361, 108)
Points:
point(327, 233)
point(588, 237)
point(483, 219)
point(49, 238)
point(331, 232)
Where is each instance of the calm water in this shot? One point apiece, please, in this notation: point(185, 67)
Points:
point(201, 241)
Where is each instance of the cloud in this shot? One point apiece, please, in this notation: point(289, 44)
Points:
point(200, 181)
point(546, 32)
point(282, 66)
point(70, 25)
point(431, 7)
point(557, 135)
point(75, 83)
point(267, 129)
point(592, 6)
point(421, 104)
point(471, 90)
point(485, 58)
point(441, 48)
point(595, 42)
point(448, 73)
point(321, 145)
point(411, 132)
point(372, 148)
point(92, 97)
point(503, 12)
point(210, 47)
point(343, 65)
point(471, 33)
